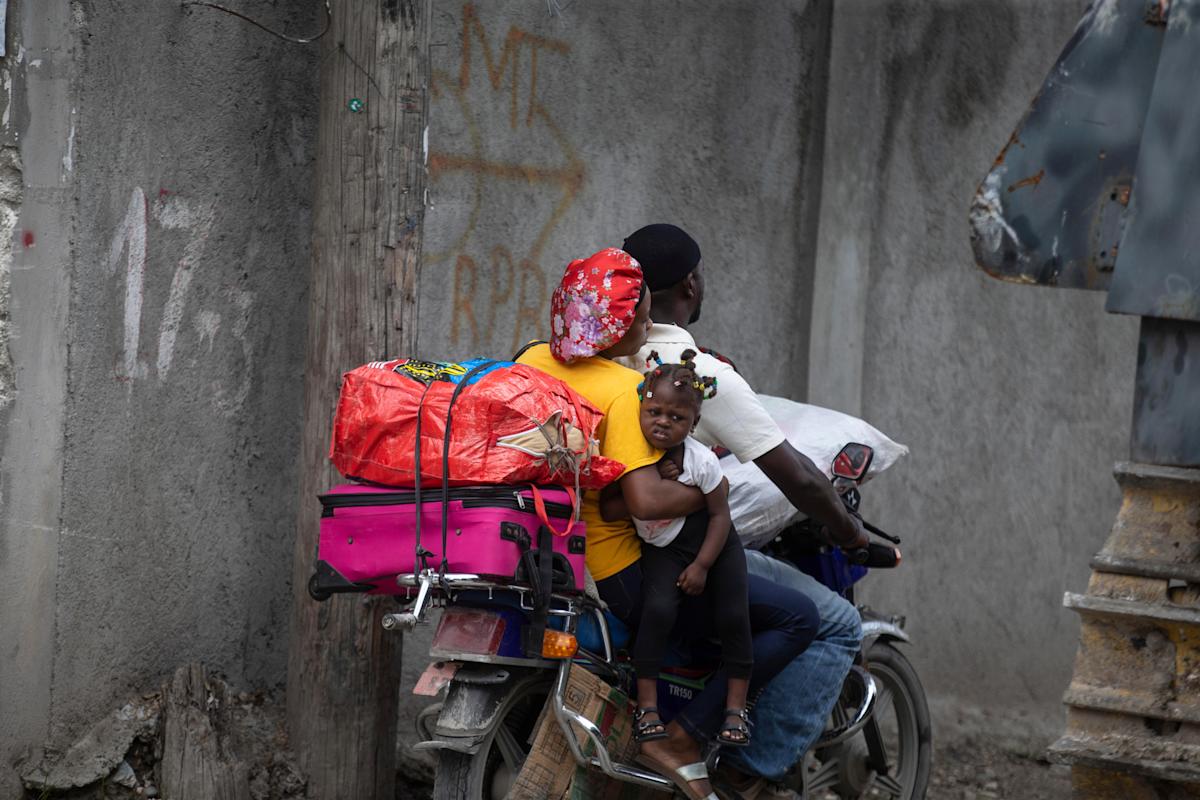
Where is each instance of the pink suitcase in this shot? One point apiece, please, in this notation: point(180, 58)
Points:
point(368, 535)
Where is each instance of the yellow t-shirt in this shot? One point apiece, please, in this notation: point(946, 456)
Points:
point(611, 546)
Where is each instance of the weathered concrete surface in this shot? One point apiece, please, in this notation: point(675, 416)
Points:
point(157, 333)
point(553, 135)
point(1015, 400)
point(193, 162)
point(37, 113)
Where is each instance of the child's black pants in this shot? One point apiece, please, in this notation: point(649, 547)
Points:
point(725, 594)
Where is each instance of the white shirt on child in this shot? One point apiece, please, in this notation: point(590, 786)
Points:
point(701, 469)
point(734, 418)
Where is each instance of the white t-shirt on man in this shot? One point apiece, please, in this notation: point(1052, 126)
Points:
point(702, 469)
point(734, 418)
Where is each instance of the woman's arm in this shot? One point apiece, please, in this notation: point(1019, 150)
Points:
point(695, 575)
point(650, 496)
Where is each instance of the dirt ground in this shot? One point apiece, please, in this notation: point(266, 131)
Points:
point(961, 771)
point(251, 725)
point(976, 769)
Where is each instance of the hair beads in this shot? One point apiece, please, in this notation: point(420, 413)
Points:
point(681, 375)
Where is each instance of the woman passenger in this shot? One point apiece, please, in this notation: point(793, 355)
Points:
point(600, 311)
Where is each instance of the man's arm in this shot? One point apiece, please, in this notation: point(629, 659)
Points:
point(650, 496)
point(612, 503)
point(807, 488)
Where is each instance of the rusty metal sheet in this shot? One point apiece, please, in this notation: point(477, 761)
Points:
point(1052, 209)
point(1158, 273)
point(1166, 395)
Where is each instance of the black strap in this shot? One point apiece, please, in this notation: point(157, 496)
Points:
point(462, 384)
point(525, 347)
point(542, 583)
point(719, 357)
point(545, 564)
point(420, 555)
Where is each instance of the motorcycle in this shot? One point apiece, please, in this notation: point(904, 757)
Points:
point(504, 649)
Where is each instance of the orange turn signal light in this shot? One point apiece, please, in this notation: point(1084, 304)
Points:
point(556, 644)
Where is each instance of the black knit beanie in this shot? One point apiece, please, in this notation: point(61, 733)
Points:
point(667, 254)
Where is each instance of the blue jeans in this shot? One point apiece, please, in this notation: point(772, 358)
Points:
point(792, 710)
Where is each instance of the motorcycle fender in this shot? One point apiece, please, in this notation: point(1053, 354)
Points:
point(873, 629)
point(470, 711)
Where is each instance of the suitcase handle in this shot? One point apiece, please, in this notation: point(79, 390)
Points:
point(539, 506)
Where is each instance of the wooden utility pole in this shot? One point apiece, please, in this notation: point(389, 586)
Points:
point(343, 669)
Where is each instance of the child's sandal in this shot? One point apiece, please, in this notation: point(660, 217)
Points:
point(735, 734)
point(648, 731)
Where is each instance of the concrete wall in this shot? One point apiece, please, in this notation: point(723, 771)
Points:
point(35, 283)
point(1015, 400)
point(554, 134)
point(157, 328)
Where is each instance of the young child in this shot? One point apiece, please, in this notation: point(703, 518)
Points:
point(676, 561)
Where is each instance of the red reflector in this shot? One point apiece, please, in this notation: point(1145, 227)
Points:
point(468, 630)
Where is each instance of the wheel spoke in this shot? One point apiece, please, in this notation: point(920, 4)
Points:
point(889, 784)
point(884, 698)
point(510, 748)
point(824, 777)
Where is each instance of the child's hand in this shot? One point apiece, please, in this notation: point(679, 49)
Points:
point(692, 579)
point(667, 469)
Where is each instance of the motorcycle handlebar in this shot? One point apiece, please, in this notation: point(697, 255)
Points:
point(879, 533)
point(875, 556)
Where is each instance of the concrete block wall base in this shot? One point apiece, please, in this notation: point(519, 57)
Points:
point(1133, 720)
point(1096, 783)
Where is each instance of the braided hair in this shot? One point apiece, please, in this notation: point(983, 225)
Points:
point(680, 375)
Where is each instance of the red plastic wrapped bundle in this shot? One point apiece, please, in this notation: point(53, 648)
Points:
point(508, 423)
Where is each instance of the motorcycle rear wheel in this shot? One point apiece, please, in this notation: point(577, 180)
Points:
point(902, 715)
point(489, 773)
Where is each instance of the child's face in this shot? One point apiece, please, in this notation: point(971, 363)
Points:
point(668, 414)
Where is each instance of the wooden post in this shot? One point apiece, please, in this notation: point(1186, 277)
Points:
point(197, 761)
point(343, 669)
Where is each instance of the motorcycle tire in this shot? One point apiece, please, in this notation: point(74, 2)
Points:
point(489, 773)
point(903, 717)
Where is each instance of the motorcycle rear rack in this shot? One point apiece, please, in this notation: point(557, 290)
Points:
point(602, 760)
point(429, 580)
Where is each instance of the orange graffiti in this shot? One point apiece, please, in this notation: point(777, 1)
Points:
point(501, 293)
point(510, 53)
point(462, 308)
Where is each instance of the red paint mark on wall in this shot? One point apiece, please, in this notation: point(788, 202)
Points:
point(28, 239)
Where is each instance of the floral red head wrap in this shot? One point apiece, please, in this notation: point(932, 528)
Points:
point(594, 304)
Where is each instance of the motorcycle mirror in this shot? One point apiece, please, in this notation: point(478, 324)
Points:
point(853, 461)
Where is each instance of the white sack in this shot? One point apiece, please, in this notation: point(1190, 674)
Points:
point(758, 508)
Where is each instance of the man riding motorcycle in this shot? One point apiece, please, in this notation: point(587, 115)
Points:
point(792, 710)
